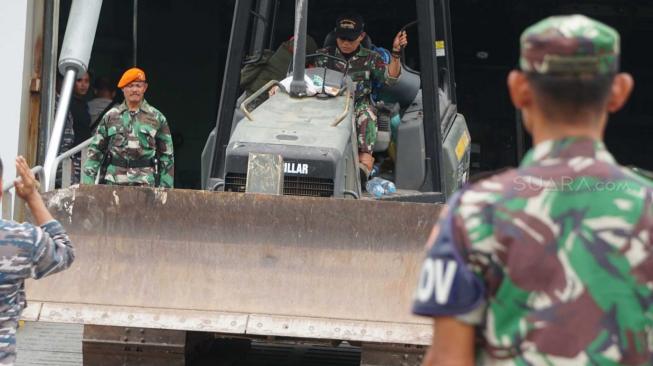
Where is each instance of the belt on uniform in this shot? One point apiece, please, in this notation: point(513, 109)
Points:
point(131, 184)
point(128, 163)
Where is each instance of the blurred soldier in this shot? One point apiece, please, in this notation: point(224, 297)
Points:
point(552, 261)
point(365, 68)
point(132, 145)
point(271, 66)
point(79, 109)
point(81, 120)
point(27, 251)
point(104, 93)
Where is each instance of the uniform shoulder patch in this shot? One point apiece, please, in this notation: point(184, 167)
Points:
point(446, 286)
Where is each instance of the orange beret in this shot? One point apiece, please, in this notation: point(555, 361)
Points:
point(133, 74)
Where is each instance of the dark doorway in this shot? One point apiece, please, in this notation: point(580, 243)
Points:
point(182, 45)
point(486, 42)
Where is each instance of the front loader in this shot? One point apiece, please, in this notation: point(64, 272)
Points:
point(154, 267)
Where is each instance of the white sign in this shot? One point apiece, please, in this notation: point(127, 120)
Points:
point(437, 276)
point(295, 168)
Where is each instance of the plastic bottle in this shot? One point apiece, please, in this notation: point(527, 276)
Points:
point(375, 187)
point(388, 187)
point(379, 186)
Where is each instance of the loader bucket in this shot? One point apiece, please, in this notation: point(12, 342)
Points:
point(238, 263)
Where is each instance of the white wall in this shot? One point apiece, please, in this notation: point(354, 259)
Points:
point(15, 61)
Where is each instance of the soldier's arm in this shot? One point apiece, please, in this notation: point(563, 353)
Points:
point(380, 71)
point(51, 251)
point(453, 344)
point(394, 68)
point(97, 150)
point(165, 155)
point(455, 309)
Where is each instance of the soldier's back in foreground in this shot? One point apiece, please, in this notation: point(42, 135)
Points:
point(552, 261)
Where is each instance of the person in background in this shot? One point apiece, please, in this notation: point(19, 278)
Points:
point(271, 66)
point(105, 92)
point(79, 109)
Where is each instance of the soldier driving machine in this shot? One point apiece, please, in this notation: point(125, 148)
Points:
point(313, 134)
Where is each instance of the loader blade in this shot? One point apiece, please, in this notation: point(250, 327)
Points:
point(238, 263)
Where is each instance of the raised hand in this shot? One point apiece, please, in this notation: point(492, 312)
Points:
point(26, 186)
point(400, 41)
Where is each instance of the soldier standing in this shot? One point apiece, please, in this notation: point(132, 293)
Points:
point(26, 251)
point(365, 68)
point(132, 145)
point(552, 262)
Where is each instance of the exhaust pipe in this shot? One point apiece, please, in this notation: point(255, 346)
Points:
point(79, 37)
point(75, 54)
point(298, 85)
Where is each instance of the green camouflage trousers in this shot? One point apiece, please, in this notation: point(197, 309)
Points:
point(366, 128)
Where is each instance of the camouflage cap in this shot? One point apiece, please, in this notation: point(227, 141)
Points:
point(570, 45)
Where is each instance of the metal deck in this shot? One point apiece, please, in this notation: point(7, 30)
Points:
point(44, 344)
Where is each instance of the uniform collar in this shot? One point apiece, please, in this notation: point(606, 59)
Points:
point(145, 107)
point(566, 148)
point(359, 52)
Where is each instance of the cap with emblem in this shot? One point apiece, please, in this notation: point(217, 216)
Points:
point(349, 26)
point(570, 45)
point(131, 75)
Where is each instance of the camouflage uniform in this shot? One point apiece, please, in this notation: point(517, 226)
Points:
point(67, 143)
point(553, 261)
point(27, 251)
point(365, 68)
point(131, 136)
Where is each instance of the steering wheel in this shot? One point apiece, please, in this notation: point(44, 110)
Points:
point(323, 93)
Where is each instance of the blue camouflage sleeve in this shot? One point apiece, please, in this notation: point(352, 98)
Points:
point(53, 251)
point(446, 286)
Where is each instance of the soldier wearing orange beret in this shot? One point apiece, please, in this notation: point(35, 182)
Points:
point(132, 144)
point(131, 75)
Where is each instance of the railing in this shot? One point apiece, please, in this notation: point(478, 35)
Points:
point(37, 170)
point(8, 196)
point(65, 160)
